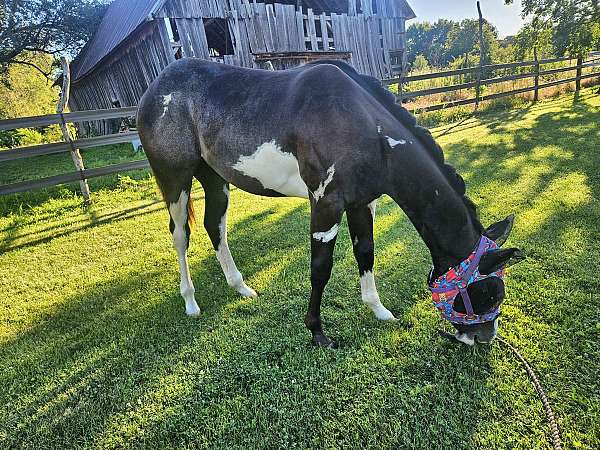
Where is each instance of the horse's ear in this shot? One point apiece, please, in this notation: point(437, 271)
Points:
point(495, 259)
point(500, 231)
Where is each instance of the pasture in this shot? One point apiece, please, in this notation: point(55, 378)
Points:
point(95, 349)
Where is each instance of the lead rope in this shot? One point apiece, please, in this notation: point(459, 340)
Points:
point(536, 383)
point(538, 387)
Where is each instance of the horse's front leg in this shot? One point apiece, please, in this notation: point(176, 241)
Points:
point(360, 223)
point(325, 220)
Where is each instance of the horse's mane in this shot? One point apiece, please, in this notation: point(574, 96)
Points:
point(388, 100)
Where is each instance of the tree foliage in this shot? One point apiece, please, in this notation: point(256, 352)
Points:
point(28, 93)
point(47, 26)
point(574, 24)
point(445, 41)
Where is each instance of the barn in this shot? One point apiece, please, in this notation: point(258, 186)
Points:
point(138, 38)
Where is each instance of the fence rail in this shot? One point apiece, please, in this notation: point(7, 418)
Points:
point(69, 145)
point(65, 147)
point(479, 71)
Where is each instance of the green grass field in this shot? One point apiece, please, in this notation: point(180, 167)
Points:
point(95, 349)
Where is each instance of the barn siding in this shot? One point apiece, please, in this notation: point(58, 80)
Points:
point(124, 77)
point(369, 32)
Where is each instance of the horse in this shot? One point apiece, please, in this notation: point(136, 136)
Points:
point(326, 133)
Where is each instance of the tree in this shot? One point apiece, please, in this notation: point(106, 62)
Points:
point(28, 93)
point(575, 24)
point(465, 39)
point(428, 40)
point(53, 27)
point(420, 64)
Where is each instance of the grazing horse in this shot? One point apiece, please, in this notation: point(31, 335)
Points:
point(328, 134)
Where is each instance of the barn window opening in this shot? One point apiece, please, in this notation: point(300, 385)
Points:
point(218, 37)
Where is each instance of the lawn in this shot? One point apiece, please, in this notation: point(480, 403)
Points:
point(95, 349)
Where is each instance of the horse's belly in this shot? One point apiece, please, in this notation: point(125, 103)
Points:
point(269, 168)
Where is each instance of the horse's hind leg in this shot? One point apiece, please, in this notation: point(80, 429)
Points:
point(216, 194)
point(176, 192)
point(360, 223)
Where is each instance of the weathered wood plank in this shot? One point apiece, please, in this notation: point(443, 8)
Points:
point(312, 31)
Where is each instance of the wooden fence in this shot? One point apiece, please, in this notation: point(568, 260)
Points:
point(479, 74)
point(67, 146)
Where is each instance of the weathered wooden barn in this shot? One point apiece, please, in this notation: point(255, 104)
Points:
point(138, 38)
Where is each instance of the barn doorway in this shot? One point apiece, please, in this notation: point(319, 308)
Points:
point(218, 37)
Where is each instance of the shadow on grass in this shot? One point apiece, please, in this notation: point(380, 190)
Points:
point(120, 364)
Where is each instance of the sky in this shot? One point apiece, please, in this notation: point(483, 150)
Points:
point(506, 18)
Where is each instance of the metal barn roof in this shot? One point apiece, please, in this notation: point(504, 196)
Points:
point(120, 20)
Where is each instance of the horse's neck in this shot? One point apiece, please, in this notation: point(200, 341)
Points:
point(440, 216)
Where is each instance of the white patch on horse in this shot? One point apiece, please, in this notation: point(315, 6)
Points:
point(320, 191)
point(370, 297)
point(232, 274)
point(274, 169)
point(179, 215)
point(464, 338)
point(326, 236)
point(393, 142)
point(373, 207)
point(166, 101)
point(355, 243)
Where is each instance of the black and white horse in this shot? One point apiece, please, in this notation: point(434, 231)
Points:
point(322, 132)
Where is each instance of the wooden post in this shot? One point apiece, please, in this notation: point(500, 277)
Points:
point(478, 84)
point(578, 76)
point(536, 80)
point(75, 155)
point(479, 74)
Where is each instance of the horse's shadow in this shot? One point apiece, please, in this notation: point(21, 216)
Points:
point(131, 368)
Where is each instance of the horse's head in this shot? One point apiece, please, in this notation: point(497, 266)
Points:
point(469, 295)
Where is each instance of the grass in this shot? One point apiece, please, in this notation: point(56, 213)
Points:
point(95, 350)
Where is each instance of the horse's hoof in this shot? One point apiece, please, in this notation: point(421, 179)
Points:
point(245, 291)
point(192, 311)
point(320, 340)
point(384, 314)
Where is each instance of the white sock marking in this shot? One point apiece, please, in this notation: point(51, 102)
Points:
point(274, 169)
point(393, 142)
point(326, 236)
point(370, 297)
point(232, 274)
point(179, 214)
point(320, 191)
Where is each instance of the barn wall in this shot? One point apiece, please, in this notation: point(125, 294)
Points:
point(125, 76)
point(257, 28)
point(369, 31)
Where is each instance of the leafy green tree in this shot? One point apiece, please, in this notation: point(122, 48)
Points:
point(464, 39)
point(575, 24)
point(54, 27)
point(420, 64)
point(532, 36)
point(28, 93)
point(428, 40)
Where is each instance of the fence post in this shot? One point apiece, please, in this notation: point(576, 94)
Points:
point(537, 75)
point(478, 84)
point(578, 76)
point(75, 155)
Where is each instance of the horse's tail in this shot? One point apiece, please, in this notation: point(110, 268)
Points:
point(190, 205)
point(191, 213)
